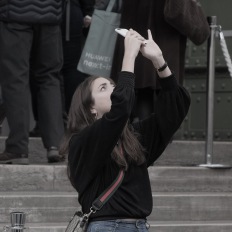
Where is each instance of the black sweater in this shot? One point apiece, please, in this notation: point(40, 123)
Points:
point(31, 11)
point(91, 166)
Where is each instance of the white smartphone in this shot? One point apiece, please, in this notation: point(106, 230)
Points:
point(123, 31)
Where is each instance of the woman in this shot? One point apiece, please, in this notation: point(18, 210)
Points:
point(101, 142)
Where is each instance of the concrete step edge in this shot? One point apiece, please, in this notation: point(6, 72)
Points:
point(192, 194)
point(181, 152)
point(39, 194)
point(190, 223)
point(151, 169)
point(43, 225)
point(152, 224)
point(75, 194)
point(177, 141)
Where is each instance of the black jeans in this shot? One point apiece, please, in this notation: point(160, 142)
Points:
point(24, 47)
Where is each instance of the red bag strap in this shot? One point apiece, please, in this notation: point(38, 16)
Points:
point(107, 194)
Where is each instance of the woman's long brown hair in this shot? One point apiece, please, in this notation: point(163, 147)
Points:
point(80, 116)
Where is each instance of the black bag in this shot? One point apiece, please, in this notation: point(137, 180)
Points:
point(78, 223)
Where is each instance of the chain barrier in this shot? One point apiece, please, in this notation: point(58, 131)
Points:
point(225, 50)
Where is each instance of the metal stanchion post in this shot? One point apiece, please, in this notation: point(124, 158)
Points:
point(17, 222)
point(210, 97)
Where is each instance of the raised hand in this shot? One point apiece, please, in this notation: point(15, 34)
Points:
point(151, 50)
point(133, 42)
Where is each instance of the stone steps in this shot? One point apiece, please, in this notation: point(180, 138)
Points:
point(51, 178)
point(58, 207)
point(192, 153)
point(34, 178)
point(187, 198)
point(178, 152)
point(190, 179)
point(191, 206)
point(40, 207)
point(191, 226)
point(167, 226)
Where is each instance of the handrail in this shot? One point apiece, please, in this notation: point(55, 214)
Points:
point(210, 96)
point(225, 49)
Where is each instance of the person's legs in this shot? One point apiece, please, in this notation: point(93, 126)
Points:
point(144, 104)
point(15, 46)
point(72, 51)
point(46, 66)
point(35, 132)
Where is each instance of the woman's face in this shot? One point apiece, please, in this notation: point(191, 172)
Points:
point(101, 92)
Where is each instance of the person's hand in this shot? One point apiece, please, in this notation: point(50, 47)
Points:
point(87, 21)
point(151, 51)
point(132, 44)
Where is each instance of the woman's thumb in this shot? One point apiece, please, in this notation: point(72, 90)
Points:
point(149, 34)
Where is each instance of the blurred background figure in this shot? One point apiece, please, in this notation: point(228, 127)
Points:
point(30, 42)
point(75, 23)
point(141, 15)
point(102, 5)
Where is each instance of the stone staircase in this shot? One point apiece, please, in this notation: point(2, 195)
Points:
point(186, 197)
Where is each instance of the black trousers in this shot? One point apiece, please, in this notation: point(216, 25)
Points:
point(72, 51)
point(71, 54)
point(38, 48)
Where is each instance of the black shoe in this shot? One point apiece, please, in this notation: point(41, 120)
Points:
point(11, 158)
point(53, 155)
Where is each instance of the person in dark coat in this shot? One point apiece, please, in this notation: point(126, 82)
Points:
point(30, 40)
point(74, 26)
point(76, 20)
point(143, 14)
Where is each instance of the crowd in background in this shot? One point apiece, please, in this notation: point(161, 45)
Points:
point(39, 57)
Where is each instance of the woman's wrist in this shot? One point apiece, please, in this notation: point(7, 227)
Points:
point(158, 62)
point(128, 63)
point(161, 67)
point(165, 73)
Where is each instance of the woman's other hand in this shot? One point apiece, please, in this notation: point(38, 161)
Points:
point(151, 51)
point(132, 44)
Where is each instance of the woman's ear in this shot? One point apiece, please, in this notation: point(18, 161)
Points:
point(93, 111)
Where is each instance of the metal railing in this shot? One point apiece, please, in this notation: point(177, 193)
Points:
point(215, 30)
point(17, 222)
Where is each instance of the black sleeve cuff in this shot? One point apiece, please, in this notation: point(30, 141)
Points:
point(126, 79)
point(168, 83)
